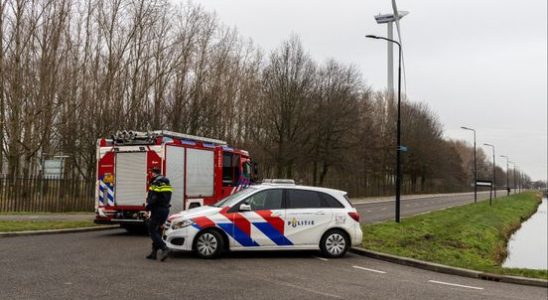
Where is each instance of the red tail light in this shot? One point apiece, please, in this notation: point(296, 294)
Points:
point(355, 216)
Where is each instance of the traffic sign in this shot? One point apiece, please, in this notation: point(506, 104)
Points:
point(483, 183)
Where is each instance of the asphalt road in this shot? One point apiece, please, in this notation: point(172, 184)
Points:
point(375, 210)
point(111, 264)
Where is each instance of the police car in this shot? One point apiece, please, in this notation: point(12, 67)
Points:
point(269, 216)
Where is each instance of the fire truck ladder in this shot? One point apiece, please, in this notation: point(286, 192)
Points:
point(172, 134)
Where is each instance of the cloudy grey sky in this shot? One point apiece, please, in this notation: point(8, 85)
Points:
point(481, 64)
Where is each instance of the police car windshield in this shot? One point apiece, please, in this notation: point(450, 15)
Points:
point(232, 199)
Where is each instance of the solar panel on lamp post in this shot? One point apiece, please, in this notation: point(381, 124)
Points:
point(389, 19)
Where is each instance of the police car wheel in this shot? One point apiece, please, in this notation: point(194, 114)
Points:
point(209, 244)
point(334, 243)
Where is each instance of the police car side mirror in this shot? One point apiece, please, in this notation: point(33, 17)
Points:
point(245, 207)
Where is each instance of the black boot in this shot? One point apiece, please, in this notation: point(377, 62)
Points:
point(164, 253)
point(152, 254)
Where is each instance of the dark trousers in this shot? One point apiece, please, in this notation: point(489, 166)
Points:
point(157, 219)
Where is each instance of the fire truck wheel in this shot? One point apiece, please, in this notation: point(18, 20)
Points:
point(135, 229)
point(334, 243)
point(208, 244)
point(193, 205)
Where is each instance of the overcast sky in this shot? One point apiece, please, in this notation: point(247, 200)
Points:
point(481, 64)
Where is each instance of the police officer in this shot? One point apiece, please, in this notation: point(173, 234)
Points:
point(157, 207)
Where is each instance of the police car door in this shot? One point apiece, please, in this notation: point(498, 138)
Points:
point(261, 223)
point(307, 219)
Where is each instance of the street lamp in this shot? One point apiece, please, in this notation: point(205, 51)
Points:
point(507, 184)
point(519, 180)
point(514, 176)
point(475, 166)
point(398, 128)
point(494, 187)
point(389, 19)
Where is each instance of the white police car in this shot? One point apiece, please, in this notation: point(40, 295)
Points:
point(269, 217)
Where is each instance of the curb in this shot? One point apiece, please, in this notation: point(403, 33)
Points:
point(448, 269)
point(56, 231)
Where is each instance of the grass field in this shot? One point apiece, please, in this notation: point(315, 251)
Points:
point(473, 236)
point(30, 213)
point(10, 226)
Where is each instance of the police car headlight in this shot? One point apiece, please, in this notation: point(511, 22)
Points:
point(182, 224)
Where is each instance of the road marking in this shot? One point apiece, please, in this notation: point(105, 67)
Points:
point(321, 258)
point(454, 284)
point(308, 290)
point(370, 270)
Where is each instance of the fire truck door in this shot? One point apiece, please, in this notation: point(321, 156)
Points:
point(130, 178)
point(175, 172)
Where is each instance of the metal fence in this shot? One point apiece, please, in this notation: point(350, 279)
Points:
point(38, 194)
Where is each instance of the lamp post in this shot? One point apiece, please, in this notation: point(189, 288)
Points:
point(494, 187)
point(507, 184)
point(398, 128)
point(514, 176)
point(475, 166)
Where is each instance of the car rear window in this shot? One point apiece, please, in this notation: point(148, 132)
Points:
point(348, 200)
point(311, 199)
point(303, 199)
point(329, 201)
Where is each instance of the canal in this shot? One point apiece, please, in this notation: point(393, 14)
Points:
point(528, 247)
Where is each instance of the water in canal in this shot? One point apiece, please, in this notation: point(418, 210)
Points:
point(528, 247)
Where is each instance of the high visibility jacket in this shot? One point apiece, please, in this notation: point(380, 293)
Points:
point(159, 193)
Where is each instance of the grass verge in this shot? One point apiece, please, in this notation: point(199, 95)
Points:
point(29, 213)
point(10, 226)
point(473, 236)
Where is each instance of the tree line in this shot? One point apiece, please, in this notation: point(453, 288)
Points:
point(72, 71)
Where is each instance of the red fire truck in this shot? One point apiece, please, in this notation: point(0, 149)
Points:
point(201, 170)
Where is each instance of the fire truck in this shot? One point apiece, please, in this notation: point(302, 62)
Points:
point(201, 170)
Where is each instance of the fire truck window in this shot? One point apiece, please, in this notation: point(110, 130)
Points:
point(236, 169)
point(231, 169)
point(227, 169)
point(247, 170)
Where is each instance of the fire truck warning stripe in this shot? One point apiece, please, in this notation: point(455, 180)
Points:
point(101, 188)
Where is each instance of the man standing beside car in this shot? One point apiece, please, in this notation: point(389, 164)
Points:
point(157, 207)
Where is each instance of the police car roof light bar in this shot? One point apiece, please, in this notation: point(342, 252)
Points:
point(279, 181)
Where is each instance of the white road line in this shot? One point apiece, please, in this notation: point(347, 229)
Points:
point(370, 270)
point(321, 258)
point(307, 289)
point(454, 284)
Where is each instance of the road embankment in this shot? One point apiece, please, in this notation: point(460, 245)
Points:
point(473, 236)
